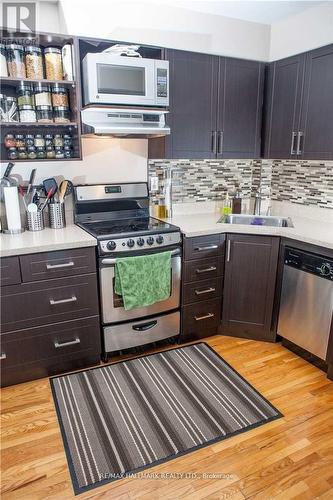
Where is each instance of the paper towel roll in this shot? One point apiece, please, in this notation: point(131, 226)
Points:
point(12, 206)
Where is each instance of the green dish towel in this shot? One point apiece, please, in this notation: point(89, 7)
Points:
point(143, 280)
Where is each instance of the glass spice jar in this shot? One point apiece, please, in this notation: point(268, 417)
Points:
point(12, 109)
point(24, 95)
point(39, 141)
point(68, 141)
point(3, 61)
point(53, 63)
point(19, 141)
point(61, 114)
point(31, 150)
point(22, 153)
point(44, 114)
point(59, 96)
point(27, 114)
point(59, 152)
point(12, 153)
point(15, 60)
point(42, 95)
point(58, 140)
point(50, 152)
point(34, 62)
point(68, 153)
point(9, 141)
point(40, 153)
point(29, 140)
point(3, 108)
point(48, 139)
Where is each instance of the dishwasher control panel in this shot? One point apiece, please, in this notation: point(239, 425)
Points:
point(311, 263)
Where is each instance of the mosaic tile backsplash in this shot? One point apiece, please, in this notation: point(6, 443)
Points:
point(301, 182)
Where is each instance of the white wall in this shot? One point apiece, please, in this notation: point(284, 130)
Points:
point(308, 30)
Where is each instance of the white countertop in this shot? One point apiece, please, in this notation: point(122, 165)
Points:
point(305, 229)
point(46, 240)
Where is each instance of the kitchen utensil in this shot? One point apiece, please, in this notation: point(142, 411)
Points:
point(32, 207)
point(31, 181)
point(62, 190)
point(6, 180)
point(49, 195)
point(8, 170)
point(49, 184)
point(21, 191)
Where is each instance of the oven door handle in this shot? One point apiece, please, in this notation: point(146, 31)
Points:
point(144, 326)
point(111, 262)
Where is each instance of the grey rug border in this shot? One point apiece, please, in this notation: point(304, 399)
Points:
point(78, 490)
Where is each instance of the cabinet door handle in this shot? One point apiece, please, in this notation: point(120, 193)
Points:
point(208, 247)
point(58, 266)
point(214, 141)
point(220, 142)
point(3, 355)
point(206, 316)
point(228, 250)
point(63, 301)
point(292, 147)
point(206, 270)
point(298, 149)
point(208, 290)
point(65, 344)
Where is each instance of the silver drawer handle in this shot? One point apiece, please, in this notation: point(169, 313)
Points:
point(65, 344)
point(208, 290)
point(3, 356)
point(206, 270)
point(63, 301)
point(58, 266)
point(207, 316)
point(209, 247)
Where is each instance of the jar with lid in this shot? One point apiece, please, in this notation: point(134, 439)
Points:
point(9, 141)
point(24, 95)
point(48, 139)
point(59, 152)
point(53, 63)
point(3, 60)
point(3, 108)
point(50, 152)
point(12, 153)
point(27, 114)
point(44, 114)
point(39, 141)
point(40, 153)
point(15, 60)
point(59, 96)
point(22, 153)
point(29, 140)
point(68, 152)
point(31, 150)
point(19, 141)
point(68, 141)
point(34, 62)
point(12, 109)
point(42, 95)
point(58, 140)
point(61, 114)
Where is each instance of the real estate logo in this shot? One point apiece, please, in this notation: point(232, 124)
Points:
point(18, 18)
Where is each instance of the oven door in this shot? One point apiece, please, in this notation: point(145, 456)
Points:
point(110, 79)
point(112, 304)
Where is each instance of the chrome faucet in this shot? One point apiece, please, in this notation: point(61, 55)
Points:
point(257, 203)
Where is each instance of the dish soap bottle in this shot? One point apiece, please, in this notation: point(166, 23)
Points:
point(237, 201)
point(227, 206)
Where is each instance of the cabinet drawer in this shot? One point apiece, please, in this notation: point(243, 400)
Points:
point(202, 269)
point(44, 302)
point(197, 318)
point(202, 290)
point(203, 246)
point(10, 271)
point(43, 351)
point(42, 266)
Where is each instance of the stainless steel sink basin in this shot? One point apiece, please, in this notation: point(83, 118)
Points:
point(257, 220)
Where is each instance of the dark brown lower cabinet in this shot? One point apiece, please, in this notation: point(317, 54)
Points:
point(249, 286)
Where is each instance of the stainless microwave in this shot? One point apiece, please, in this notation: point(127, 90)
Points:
point(112, 79)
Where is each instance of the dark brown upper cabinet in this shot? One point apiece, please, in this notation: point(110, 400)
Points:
point(215, 108)
point(299, 107)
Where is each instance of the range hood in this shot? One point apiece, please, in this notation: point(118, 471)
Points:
point(127, 122)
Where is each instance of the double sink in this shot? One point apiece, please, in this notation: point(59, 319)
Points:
point(256, 220)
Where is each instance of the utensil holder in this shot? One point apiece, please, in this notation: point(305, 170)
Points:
point(57, 215)
point(35, 221)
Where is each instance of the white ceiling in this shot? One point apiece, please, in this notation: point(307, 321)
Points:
point(260, 11)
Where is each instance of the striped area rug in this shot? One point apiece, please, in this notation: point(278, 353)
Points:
point(125, 417)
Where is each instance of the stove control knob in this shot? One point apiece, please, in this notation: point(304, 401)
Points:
point(111, 245)
point(325, 269)
point(159, 240)
point(150, 240)
point(130, 243)
point(140, 242)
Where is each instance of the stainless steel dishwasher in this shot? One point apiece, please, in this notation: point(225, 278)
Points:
point(306, 301)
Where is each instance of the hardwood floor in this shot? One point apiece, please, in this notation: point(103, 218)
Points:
point(288, 458)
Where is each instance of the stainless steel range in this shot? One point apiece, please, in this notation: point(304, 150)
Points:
point(117, 215)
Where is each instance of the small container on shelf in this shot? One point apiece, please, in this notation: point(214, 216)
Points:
point(59, 96)
point(42, 94)
point(15, 60)
point(58, 140)
point(34, 62)
point(50, 152)
point(27, 114)
point(68, 141)
point(53, 63)
point(12, 153)
point(3, 109)
point(9, 141)
point(68, 152)
point(61, 114)
point(59, 152)
point(31, 150)
point(44, 114)
point(40, 153)
point(48, 139)
point(3, 61)
point(29, 140)
point(39, 141)
point(24, 95)
point(67, 62)
point(20, 141)
point(12, 110)
point(22, 153)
